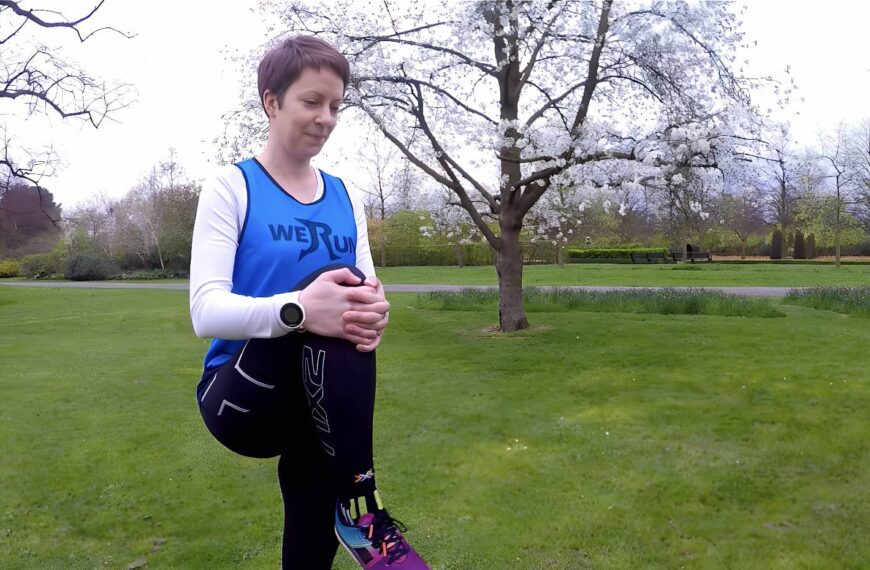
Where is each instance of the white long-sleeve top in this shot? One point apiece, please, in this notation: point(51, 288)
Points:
point(215, 310)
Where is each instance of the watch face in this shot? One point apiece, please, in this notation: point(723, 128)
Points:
point(291, 314)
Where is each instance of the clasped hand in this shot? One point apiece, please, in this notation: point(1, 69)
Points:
point(337, 306)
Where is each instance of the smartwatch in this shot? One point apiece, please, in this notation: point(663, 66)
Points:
point(292, 315)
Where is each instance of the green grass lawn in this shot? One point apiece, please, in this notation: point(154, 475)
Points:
point(592, 440)
point(693, 275)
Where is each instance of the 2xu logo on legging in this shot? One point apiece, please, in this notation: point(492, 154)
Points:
point(312, 377)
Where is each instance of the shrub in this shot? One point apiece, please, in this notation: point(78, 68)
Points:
point(10, 268)
point(811, 246)
point(800, 251)
point(152, 274)
point(776, 245)
point(39, 265)
point(88, 267)
point(611, 253)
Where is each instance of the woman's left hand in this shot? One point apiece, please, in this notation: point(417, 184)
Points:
point(367, 324)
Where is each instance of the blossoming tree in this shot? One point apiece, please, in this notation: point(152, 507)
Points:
point(500, 101)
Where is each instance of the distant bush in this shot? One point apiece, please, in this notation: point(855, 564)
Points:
point(776, 245)
point(89, 267)
point(800, 251)
point(152, 274)
point(39, 265)
point(811, 246)
point(10, 268)
point(611, 253)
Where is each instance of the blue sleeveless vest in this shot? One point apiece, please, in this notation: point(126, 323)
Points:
point(283, 240)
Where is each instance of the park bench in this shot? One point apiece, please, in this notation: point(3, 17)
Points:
point(648, 258)
point(693, 256)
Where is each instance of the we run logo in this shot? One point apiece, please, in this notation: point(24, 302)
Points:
point(316, 235)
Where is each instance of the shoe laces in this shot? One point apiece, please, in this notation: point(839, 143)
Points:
point(385, 532)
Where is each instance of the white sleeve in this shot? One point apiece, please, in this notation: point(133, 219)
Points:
point(216, 312)
point(363, 252)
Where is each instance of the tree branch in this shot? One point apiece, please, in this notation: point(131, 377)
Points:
point(456, 186)
point(409, 81)
point(374, 40)
point(592, 74)
point(30, 16)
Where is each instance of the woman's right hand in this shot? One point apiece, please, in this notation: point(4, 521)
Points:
point(331, 295)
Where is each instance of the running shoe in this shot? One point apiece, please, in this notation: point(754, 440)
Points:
point(375, 541)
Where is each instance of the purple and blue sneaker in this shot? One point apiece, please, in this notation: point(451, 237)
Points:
point(375, 541)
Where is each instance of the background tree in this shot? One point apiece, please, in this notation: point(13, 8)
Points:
point(29, 220)
point(842, 176)
point(859, 158)
point(448, 227)
point(556, 218)
point(90, 226)
point(742, 215)
point(686, 210)
point(152, 225)
point(391, 185)
point(777, 182)
point(533, 87)
point(817, 214)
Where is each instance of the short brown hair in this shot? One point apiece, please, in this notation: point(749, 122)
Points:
point(283, 64)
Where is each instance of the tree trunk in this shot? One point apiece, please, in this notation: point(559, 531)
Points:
point(509, 267)
point(383, 238)
point(743, 248)
point(837, 240)
point(157, 245)
point(685, 238)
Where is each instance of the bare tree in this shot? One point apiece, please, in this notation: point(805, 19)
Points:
point(391, 183)
point(842, 175)
point(35, 78)
point(378, 158)
point(777, 181)
point(859, 157)
point(94, 222)
point(742, 214)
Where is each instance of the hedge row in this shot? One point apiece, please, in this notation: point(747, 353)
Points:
point(611, 253)
point(445, 255)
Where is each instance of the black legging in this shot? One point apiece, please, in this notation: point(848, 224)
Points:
point(309, 399)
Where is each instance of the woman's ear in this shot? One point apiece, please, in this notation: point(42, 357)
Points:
point(270, 104)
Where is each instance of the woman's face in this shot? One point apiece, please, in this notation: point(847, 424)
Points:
point(308, 113)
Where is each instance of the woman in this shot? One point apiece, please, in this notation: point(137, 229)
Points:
point(282, 278)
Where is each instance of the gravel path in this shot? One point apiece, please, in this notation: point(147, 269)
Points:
point(745, 291)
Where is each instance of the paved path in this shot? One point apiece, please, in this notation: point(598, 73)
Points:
point(745, 291)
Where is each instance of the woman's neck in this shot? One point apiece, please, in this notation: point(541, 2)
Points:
point(296, 177)
point(284, 167)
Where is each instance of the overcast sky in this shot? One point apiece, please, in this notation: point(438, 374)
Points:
point(178, 63)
